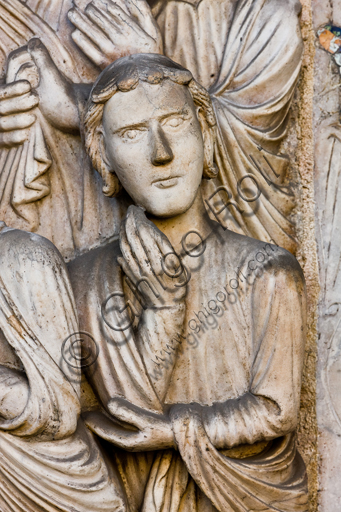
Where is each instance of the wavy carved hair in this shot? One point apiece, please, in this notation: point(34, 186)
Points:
point(124, 75)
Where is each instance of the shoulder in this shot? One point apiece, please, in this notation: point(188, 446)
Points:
point(94, 265)
point(18, 247)
point(91, 260)
point(251, 254)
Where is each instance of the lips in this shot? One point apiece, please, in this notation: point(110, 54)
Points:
point(167, 182)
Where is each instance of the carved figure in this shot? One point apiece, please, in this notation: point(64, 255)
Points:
point(248, 55)
point(49, 461)
point(200, 330)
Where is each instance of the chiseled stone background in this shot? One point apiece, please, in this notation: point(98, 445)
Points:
point(326, 117)
point(316, 110)
point(300, 147)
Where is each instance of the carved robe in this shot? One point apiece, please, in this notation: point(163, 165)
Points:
point(235, 384)
point(247, 53)
point(48, 460)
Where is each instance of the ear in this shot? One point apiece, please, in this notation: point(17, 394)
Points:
point(209, 137)
point(112, 185)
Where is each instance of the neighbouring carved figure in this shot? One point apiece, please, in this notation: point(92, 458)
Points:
point(247, 53)
point(199, 330)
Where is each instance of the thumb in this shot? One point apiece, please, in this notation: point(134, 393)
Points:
point(129, 414)
point(56, 96)
point(48, 71)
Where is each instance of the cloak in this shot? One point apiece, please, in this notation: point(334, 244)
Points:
point(234, 385)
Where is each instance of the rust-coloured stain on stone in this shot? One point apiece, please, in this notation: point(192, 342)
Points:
point(330, 38)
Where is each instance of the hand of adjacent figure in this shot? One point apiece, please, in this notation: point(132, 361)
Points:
point(56, 94)
point(108, 30)
point(151, 431)
point(14, 391)
point(150, 263)
point(16, 103)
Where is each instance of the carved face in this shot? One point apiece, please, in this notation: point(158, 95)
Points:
point(154, 143)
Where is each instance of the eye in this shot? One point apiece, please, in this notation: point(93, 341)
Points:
point(132, 134)
point(174, 121)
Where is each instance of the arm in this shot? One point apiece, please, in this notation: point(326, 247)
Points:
point(158, 279)
point(35, 81)
point(270, 407)
point(143, 245)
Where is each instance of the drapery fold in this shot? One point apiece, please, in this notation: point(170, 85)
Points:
point(49, 462)
point(243, 374)
point(273, 481)
point(255, 53)
point(53, 189)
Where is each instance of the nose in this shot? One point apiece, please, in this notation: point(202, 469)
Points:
point(161, 150)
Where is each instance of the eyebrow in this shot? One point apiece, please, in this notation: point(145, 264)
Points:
point(144, 123)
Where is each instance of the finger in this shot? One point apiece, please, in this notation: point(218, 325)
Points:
point(161, 240)
point(102, 5)
point(121, 17)
point(15, 138)
point(89, 29)
point(128, 413)
point(156, 247)
point(127, 271)
point(135, 242)
point(127, 253)
point(155, 243)
point(106, 429)
point(19, 104)
point(16, 122)
point(40, 54)
point(14, 89)
point(90, 50)
point(107, 24)
point(142, 12)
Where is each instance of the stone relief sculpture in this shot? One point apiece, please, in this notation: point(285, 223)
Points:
point(328, 170)
point(199, 331)
point(246, 53)
point(327, 196)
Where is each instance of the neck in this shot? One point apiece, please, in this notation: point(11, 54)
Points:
point(194, 219)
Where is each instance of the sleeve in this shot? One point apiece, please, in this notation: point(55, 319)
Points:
point(270, 407)
point(252, 97)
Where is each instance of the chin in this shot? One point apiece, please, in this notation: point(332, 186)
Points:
point(169, 202)
point(169, 208)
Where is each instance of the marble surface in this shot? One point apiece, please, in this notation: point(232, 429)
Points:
point(160, 370)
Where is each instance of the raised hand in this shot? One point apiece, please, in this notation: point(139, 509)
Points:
point(108, 30)
point(150, 263)
point(151, 431)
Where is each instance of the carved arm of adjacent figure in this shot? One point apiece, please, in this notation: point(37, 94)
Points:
point(38, 83)
point(106, 31)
